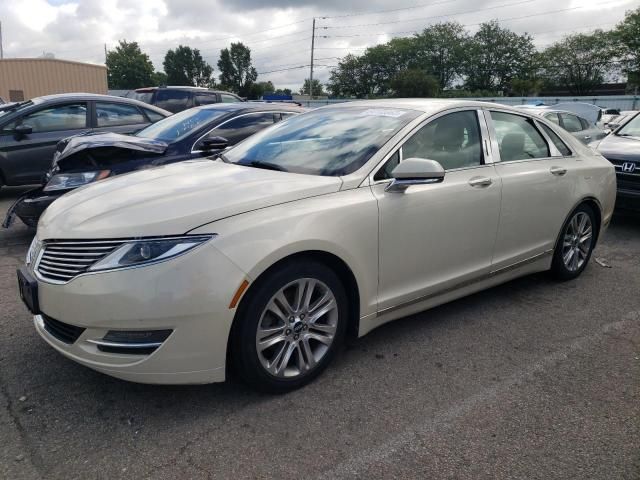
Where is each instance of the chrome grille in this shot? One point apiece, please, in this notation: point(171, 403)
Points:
point(63, 260)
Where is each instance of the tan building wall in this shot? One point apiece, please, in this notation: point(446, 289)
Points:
point(33, 77)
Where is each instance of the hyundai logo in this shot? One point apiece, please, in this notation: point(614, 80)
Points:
point(628, 167)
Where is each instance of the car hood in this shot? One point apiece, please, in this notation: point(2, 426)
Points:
point(72, 145)
point(174, 199)
point(620, 148)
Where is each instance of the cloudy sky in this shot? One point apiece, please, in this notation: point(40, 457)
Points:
point(277, 31)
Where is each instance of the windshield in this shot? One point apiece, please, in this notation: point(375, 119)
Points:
point(631, 128)
point(327, 141)
point(178, 126)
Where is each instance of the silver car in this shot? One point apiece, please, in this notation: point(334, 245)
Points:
point(579, 127)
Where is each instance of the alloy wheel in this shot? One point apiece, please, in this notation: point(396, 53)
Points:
point(296, 328)
point(576, 242)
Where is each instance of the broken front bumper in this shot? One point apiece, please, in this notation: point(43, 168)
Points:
point(29, 206)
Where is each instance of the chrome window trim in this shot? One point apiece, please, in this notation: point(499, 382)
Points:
point(487, 160)
point(234, 118)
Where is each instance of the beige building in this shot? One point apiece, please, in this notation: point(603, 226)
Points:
point(25, 78)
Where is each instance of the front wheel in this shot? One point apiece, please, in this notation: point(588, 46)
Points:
point(575, 244)
point(290, 327)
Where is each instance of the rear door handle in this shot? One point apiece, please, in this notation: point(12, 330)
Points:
point(558, 171)
point(587, 137)
point(480, 182)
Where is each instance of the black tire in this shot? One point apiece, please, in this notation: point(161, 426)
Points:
point(245, 360)
point(559, 268)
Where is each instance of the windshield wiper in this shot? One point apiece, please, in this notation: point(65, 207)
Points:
point(265, 165)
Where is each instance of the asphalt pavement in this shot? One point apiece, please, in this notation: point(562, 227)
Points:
point(529, 380)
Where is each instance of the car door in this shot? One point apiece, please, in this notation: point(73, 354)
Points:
point(28, 156)
point(537, 186)
point(591, 132)
point(118, 117)
point(571, 123)
point(438, 236)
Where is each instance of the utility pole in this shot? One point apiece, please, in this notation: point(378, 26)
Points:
point(1, 51)
point(105, 53)
point(313, 38)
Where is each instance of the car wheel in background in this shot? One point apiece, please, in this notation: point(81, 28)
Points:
point(575, 244)
point(289, 327)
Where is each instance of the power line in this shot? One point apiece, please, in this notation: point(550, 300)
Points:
point(388, 11)
point(521, 2)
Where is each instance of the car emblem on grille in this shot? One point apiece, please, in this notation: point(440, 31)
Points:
point(628, 167)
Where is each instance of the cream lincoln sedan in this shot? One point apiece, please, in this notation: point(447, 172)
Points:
point(328, 224)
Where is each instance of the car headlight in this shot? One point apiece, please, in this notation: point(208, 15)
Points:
point(66, 181)
point(34, 250)
point(143, 252)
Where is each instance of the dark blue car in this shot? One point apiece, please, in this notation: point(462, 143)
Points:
point(193, 133)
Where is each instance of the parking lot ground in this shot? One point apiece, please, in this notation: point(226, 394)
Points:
point(529, 380)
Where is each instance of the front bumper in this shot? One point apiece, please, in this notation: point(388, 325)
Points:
point(30, 206)
point(628, 199)
point(189, 295)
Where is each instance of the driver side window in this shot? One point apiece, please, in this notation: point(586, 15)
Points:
point(453, 140)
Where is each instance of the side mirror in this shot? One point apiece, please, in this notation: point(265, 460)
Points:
point(214, 143)
point(415, 171)
point(22, 130)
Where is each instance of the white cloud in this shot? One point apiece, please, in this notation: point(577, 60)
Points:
point(78, 29)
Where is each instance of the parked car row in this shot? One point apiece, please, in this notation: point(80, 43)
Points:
point(177, 99)
point(96, 155)
point(263, 258)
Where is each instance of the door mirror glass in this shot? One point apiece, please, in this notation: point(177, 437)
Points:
point(23, 129)
point(214, 143)
point(415, 171)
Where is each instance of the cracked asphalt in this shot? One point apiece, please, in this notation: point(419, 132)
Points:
point(529, 380)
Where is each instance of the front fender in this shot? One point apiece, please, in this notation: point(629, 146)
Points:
point(344, 224)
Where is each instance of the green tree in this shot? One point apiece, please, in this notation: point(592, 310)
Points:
point(580, 62)
point(350, 78)
point(627, 37)
point(283, 91)
point(258, 89)
point(441, 50)
point(495, 55)
point(185, 66)
point(318, 88)
point(158, 79)
point(522, 87)
point(414, 83)
point(128, 67)
point(236, 70)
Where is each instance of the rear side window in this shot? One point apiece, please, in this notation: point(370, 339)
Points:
point(518, 139)
point(226, 98)
point(585, 123)
point(153, 116)
point(173, 100)
point(552, 117)
point(206, 98)
point(557, 141)
point(571, 123)
point(113, 114)
point(142, 96)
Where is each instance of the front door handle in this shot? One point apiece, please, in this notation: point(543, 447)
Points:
point(587, 137)
point(558, 171)
point(480, 182)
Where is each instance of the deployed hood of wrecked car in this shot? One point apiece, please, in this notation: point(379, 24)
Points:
point(72, 145)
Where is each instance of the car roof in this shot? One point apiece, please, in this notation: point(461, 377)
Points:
point(426, 105)
point(95, 96)
point(183, 87)
point(253, 106)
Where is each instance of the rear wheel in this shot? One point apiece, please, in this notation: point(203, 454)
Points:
point(575, 244)
point(290, 327)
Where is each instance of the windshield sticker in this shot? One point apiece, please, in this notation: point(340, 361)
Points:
point(383, 112)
